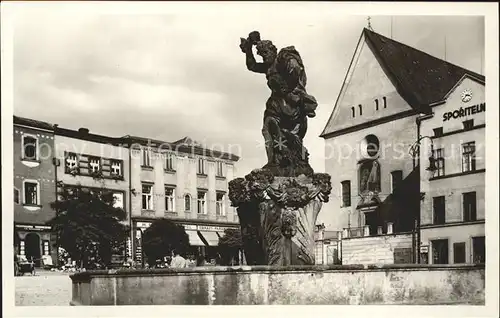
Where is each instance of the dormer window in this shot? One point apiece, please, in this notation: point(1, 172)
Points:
point(438, 132)
point(353, 112)
point(360, 110)
point(385, 102)
point(468, 124)
point(376, 104)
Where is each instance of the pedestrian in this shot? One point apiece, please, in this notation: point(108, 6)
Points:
point(200, 261)
point(178, 261)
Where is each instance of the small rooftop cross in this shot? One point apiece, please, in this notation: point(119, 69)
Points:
point(369, 23)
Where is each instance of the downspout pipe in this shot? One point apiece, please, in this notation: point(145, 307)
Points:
point(132, 243)
point(55, 162)
point(418, 121)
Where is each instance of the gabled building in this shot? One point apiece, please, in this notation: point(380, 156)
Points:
point(34, 189)
point(376, 181)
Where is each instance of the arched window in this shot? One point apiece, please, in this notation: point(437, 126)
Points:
point(360, 110)
point(353, 112)
point(376, 104)
point(187, 202)
point(385, 102)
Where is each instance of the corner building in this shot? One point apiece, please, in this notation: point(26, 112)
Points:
point(183, 182)
point(375, 200)
point(34, 190)
point(453, 207)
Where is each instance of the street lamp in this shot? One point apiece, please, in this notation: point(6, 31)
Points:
point(415, 154)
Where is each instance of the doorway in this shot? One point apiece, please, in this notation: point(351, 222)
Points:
point(32, 248)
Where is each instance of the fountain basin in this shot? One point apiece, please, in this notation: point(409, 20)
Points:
point(301, 285)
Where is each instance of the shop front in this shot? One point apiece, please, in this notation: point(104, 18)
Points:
point(35, 242)
point(203, 240)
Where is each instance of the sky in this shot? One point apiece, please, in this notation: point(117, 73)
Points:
point(167, 76)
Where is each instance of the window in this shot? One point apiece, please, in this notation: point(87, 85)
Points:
point(346, 193)
point(372, 145)
point(118, 200)
point(439, 215)
point(438, 132)
point(385, 102)
point(46, 247)
point(116, 168)
point(168, 164)
point(169, 199)
point(31, 195)
point(220, 169)
point(201, 166)
point(468, 124)
point(219, 204)
point(30, 147)
point(353, 110)
point(469, 156)
point(469, 201)
point(146, 157)
point(478, 250)
point(439, 161)
point(147, 197)
point(187, 202)
point(71, 162)
point(16, 196)
point(396, 178)
point(439, 251)
point(202, 208)
point(22, 245)
point(360, 110)
point(376, 104)
point(459, 253)
point(94, 164)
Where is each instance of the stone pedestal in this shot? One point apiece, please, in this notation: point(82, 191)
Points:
point(278, 215)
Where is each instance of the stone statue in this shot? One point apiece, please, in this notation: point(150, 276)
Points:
point(287, 109)
point(278, 204)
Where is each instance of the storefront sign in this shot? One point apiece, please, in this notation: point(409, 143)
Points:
point(189, 227)
point(462, 112)
point(33, 227)
point(143, 225)
point(212, 228)
point(424, 249)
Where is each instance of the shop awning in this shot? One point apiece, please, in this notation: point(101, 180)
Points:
point(194, 239)
point(211, 237)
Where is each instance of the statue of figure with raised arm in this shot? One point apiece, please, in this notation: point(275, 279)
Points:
point(278, 204)
point(287, 109)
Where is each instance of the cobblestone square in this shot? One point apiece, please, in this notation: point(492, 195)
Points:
point(43, 289)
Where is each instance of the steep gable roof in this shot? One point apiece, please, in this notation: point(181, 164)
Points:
point(422, 79)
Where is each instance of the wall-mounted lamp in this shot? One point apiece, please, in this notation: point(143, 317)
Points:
point(415, 152)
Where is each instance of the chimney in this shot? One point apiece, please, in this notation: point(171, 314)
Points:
point(83, 131)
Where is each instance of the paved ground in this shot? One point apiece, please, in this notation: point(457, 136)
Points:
point(44, 289)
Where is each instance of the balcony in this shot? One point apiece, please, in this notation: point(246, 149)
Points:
point(148, 213)
point(202, 216)
point(222, 218)
point(170, 214)
point(365, 231)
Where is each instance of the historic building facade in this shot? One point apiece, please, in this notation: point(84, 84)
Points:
point(376, 181)
point(34, 189)
point(185, 183)
point(453, 207)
